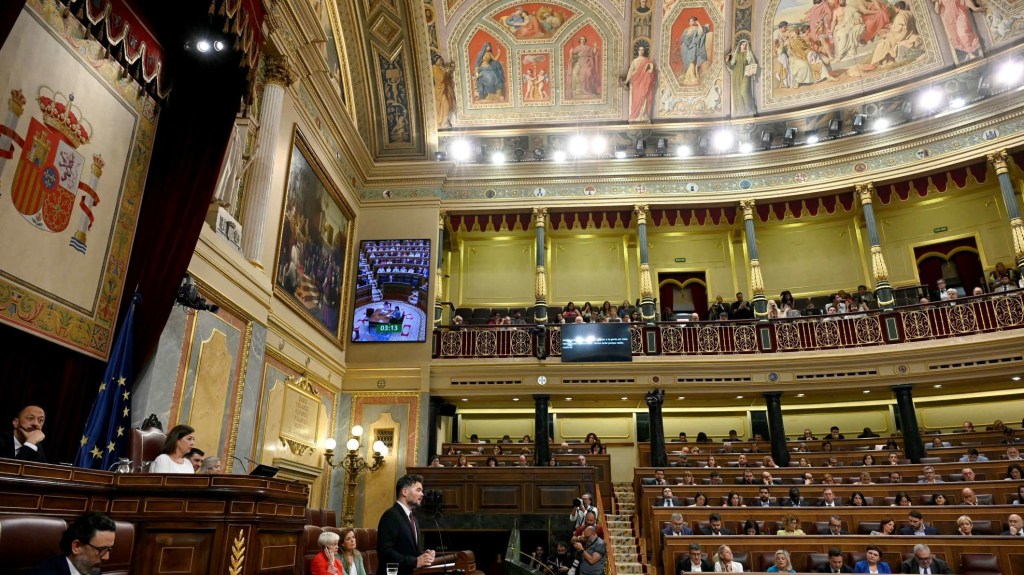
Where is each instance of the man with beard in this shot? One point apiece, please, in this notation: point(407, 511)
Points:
point(85, 544)
point(398, 535)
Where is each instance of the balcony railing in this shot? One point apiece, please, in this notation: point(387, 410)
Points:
point(963, 317)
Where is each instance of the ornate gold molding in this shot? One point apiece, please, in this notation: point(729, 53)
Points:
point(237, 560)
point(233, 437)
point(278, 71)
point(748, 209)
point(999, 161)
point(539, 215)
point(646, 286)
point(541, 286)
point(865, 191)
point(878, 264)
point(756, 281)
point(1017, 230)
point(641, 213)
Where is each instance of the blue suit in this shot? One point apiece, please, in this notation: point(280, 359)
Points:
point(862, 567)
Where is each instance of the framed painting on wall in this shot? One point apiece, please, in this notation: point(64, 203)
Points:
point(314, 243)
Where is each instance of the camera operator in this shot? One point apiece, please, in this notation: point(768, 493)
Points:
point(589, 520)
point(590, 552)
point(581, 506)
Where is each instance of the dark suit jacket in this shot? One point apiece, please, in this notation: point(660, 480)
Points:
point(53, 566)
point(837, 503)
point(706, 530)
point(684, 566)
point(660, 502)
point(928, 530)
point(667, 532)
point(27, 454)
point(787, 502)
point(828, 569)
point(911, 566)
point(395, 541)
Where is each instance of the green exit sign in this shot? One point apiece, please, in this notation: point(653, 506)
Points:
point(680, 260)
point(939, 230)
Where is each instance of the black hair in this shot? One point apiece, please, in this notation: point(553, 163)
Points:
point(406, 481)
point(84, 529)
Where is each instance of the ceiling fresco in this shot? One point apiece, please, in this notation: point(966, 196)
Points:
point(410, 72)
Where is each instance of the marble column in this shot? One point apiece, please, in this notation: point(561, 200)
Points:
point(655, 400)
point(433, 424)
point(439, 277)
point(999, 162)
point(541, 441)
point(540, 312)
point(883, 291)
point(257, 193)
point(647, 310)
point(912, 445)
point(776, 428)
point(756, 282)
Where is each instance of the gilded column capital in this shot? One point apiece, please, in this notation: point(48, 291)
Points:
point(756, 280)
point(442, 219)
point(999, 161)
point(646, 286)
point(278, 71)
point(865, 191)
point(540, 287)
point(539, 215)
point(748, 209)
point(641, 213)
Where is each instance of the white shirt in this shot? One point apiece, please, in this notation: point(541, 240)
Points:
point(164, 464)
point(694, 567)
point(736, 567)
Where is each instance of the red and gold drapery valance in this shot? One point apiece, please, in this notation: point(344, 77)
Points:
point(123, 32)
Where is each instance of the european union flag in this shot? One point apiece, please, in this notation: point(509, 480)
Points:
point(105, 439)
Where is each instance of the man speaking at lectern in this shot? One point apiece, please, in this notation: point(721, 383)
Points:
point(398, 535)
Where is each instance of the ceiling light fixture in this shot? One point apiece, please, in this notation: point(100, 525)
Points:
point(460, 150)
point(789, 137)
point(722, 140)
point(937, 386)
point(598, 145)
point(746, 148)
point(498, 157)
point(640, 149)
point(465, 399)
point(813, 139)
point(578, 145)
point(568, 399)
point(681, 397)
point(882, 124)
point(867, 391)
point(956, 103)
point(930, 99)
point(799, 395)
point(559, 156)
point(203, 46)
point(860, 123)
point(620, 152)
point(515, 399)
point(624, 398)
point(1010, 73)
point(1015, 378)
point(683, 151)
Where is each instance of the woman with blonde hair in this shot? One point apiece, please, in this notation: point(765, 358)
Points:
point(782, 563)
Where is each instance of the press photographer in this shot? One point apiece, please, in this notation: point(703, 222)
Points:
point(590, 553)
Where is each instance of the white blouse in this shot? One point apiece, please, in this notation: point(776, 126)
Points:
point(164, 464)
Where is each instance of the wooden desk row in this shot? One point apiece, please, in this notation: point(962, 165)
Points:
point(856, 520)
point(513, 490)
point(191, 523)
point(1001, 492)
point(956, 551)
point(821, 458)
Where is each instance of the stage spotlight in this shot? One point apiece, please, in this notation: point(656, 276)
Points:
point(766, 139)
point(460, 150)
point(789, 137)
point(722, 139)
point(835, 126)
point(881, 124)
point(578, 146)
point(203, 45)
point(218, 46)
point(481, 153)
point(559, 156)
point(984, 86)
point(957, 103)
point(930, 99)
point(1010, 73)
point(746, 147)
point(620, 152)
point(640, 149)
point(598, 144)
point(440, 156)
point(703, 143)
point(538, 154)
point(683, 151)
point(498, 157)
point(860, 123)
point(812, 138)
point(661, 147)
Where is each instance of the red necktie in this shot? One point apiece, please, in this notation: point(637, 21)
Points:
point(412, 523)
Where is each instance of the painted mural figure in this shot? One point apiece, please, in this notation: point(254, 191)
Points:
point(526, 25)
point(848, 28)
point(902, 34)
point(876, 18)
point(640, 79)
point(744, 67)
point(956, 19)
point(529, 83)
point(642, 20)
point(819, 18)
point(780, 48)
point(806, 65)
point(541, 89)
point(490, 74)
point(586, 76)
point(444, 92)
point(693, 44)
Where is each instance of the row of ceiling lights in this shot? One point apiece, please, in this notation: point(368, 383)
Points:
point(723, 140)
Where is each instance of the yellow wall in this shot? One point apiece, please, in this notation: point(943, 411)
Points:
point(817, 255)
point(497, 271)
point(705, 251)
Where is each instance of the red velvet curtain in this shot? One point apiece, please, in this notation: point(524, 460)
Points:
point(965, 262)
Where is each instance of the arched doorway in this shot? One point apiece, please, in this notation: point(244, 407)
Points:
point(956, 261)
point(683, 292)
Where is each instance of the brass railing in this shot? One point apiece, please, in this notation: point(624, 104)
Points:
point(938, 320)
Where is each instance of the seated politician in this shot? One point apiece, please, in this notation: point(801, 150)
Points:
point(23, 442)
point(84, 546)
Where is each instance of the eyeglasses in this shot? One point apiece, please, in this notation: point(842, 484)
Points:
point(100, 550)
